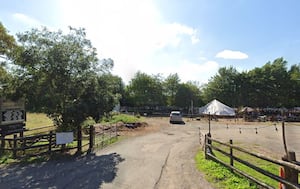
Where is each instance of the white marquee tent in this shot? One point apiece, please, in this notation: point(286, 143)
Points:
point(217, 108)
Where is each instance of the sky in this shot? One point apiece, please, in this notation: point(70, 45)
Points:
point(193, 38)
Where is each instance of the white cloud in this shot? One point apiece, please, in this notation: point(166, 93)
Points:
point(26, 20)
point(229, 54)
point(130, 32)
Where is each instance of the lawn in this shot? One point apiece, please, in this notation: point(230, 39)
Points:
point(35, 120)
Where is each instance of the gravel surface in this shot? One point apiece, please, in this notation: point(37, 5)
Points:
point(157, 156)
point(160, 156)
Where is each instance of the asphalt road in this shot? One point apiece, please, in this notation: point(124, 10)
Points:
point(163, 159)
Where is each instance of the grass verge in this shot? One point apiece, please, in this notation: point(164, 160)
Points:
point(220, 176)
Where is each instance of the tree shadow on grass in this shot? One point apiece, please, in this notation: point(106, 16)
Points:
point(90, 171)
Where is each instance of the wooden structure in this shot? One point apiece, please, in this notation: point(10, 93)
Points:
point(291, 169)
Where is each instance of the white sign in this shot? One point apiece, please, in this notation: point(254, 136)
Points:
point(64, 137)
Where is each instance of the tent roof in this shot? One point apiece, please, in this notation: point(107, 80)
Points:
point(217, 108)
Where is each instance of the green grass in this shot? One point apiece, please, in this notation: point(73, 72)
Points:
point(35, 120)
point(121, 118)
point(220, 176)
point(270, 167)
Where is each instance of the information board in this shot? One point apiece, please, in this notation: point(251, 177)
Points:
point(12, 112)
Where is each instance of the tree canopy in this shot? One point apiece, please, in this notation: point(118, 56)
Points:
point(272, 85)
point(60, 74)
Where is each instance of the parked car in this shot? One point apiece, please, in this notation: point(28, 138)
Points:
point(176, 117)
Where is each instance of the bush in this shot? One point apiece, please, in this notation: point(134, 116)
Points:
point(124, 118)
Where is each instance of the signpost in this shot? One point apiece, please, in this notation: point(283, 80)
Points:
point(12, 116)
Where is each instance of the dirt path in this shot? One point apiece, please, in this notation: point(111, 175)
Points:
point(162, 159)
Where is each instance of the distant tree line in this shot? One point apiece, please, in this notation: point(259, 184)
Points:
point(272, 85)
point(60, 74)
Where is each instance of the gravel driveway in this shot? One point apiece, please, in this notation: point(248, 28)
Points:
point(162, 159)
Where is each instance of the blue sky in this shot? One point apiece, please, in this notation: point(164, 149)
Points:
point(193, 38)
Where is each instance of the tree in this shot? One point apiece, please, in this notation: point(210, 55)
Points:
point(60, 74)
point(187, 93)
point(7, 47)
point(7, 42)
point(223, 86)
point(145, 90)
point(294, 75)
point(171, 86)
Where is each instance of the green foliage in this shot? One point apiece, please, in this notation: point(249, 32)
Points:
point(145, 90)
point(220, 175)
point(171, 85)
point(272, 85)
point(7, 42)
point(88, 122)
point(59, 74)
point(186, 93)
point(124, 118)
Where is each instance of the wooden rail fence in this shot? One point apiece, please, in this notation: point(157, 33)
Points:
point(291, 180)
point(42, 143)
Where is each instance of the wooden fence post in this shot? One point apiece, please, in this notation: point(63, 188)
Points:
point(102, 142)
point(79, 140)
point(92, 137)
point(231, 154)
point(50, 142)
point(2, 143)
point(15, 147)
point(291, 174)
point(116, 132)
point(205, 146)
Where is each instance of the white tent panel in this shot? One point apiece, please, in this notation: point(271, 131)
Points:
point(217, 108)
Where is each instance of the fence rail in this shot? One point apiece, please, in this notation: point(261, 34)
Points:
point(291, 181)
point(45, 142)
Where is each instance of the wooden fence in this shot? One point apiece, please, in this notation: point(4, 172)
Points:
point(38, 143)
point(291, 168)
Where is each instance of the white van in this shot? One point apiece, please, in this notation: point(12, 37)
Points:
point(176, 117)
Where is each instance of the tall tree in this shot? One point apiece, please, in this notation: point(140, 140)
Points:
point(187, 94)
point(56, 74)
point(293, 95)
point(223, 86)
point(7, 42)
point(7, 47)
point(171, 86)
point(146, 90)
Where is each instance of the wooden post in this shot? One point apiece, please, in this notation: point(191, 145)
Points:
point(79, 140)
point(50, 142)
point(110, 132)
point(15, 147)
point(291, 175)
point(116, 131)
point(92, 137)
point(205, 147)
point(2, 143)
point(231, 154)
point(102, 142)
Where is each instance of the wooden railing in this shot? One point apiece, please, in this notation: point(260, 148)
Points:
point(291, 181)
point(41, 143)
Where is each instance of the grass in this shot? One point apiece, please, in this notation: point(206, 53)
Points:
point(224, 178)
point(121, 118)
point(35, 120)
point(220, 176)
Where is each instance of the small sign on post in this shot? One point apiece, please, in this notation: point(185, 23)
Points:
point(12, 116)
point(64, 137)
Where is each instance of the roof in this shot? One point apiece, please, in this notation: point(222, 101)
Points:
point(217, 108)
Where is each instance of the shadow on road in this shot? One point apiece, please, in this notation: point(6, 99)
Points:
point(90, 171)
